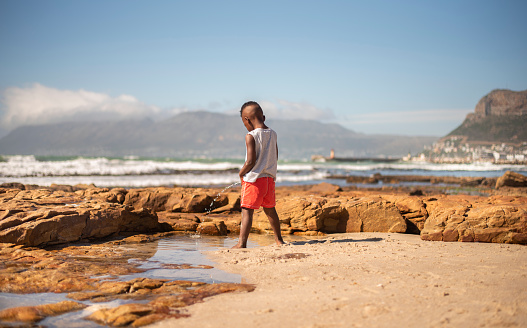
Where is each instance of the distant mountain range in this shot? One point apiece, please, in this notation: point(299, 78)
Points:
point(500, 116)
point(198, 134)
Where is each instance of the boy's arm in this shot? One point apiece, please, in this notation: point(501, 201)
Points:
point(251, 156)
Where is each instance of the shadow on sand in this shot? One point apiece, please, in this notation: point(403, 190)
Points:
point(322, 241)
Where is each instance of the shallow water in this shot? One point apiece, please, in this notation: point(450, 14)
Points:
point(180, 249)
point(186, 250)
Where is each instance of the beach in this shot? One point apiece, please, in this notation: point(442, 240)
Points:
point(371, 251)
point(369, 280)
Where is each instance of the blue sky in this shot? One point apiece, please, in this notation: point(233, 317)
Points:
point(397, 67)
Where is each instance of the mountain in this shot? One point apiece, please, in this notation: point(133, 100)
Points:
point(499, 117)
point(195, 134)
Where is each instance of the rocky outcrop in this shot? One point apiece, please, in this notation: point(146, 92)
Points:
point(40, 217)
point(47, 216)
point(36, 313)
point(44, 217)
point(499, 117)
point(502, 102)
point(165, 305)
point(396, 179)
point(499, 220)
point(511, 179)
point(315, 213)
point(186, 200)
point(412, 209)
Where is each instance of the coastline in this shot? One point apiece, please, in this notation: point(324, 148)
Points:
point(370, 280)
point(324, 277)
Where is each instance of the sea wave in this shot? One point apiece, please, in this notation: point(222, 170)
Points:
point(425, 166)
point(26, 166)
point(141, 172)
point(154, 180)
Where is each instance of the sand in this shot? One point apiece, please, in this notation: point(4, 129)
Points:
point(370, 280)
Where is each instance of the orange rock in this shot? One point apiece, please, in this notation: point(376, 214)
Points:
point(374, 215)
point(214, 228)
point(45, 217)
point(511, 179)
point(325, 188)
point(480, 222)
point(39, 312)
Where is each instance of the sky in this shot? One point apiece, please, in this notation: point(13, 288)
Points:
point(375, 67)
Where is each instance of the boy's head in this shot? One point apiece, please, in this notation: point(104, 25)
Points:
point(252, 115)
point(251, 104)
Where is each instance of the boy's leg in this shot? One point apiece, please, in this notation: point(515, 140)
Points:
point(245, 229)
point(274, 220)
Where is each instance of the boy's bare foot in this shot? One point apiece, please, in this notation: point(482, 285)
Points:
point(237, 246)
point(280, 242)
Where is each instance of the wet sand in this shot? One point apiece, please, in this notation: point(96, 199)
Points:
point(369, 280)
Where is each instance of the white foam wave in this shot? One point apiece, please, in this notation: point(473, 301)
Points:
point(139, 181)
point(134, 172)
point(475, 167)
point(281, 178)
point(296, 167)
point(23, 166)
point(132, 181)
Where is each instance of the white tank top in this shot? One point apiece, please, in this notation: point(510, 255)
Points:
point(266, 155)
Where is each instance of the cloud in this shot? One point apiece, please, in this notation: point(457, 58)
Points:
point(287, 110)
point(39, 104)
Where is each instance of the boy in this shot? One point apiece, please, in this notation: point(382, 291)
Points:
point(258, 173)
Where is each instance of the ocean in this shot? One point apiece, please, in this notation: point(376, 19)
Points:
point(137, 172)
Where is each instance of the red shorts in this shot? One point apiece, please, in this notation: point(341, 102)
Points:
point(258, 193)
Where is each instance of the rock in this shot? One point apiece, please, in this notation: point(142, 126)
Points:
point(83, 186)
point(184, 200)
point(13, 185)
point(179, 221)
point(164, 305)
point(213, 228)
point(334, 215)
point(413, 210)
point(511, 179)
point(416, 192)
point(325, 187)
point(66, 188)
point(152, 318)
point(44, 217)
point(153, 198)
point(229, 201)
point(198, 294)
point(371, 214)
point(311, 213)
point(115, 195)
point(500, 222)
point(196, 203)
point(122, 315)
point(39, 312)
point(502, 102)
point(70, 269)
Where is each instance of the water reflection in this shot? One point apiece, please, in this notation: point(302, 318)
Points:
point(184, 249)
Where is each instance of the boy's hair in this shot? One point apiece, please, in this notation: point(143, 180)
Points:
point(250, 103)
